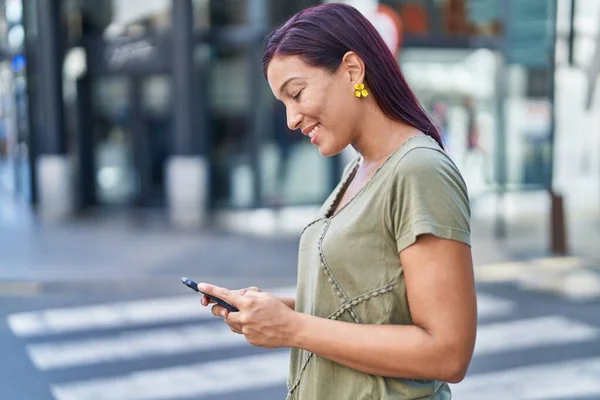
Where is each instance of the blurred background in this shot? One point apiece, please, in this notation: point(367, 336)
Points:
point(139, 142)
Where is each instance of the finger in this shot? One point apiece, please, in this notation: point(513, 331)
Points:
point(233, 319)
point(205, 301)
point(236, 329)
point(230, 296)
point(218, 311)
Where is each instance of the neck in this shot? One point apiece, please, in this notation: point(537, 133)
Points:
point(378, 136)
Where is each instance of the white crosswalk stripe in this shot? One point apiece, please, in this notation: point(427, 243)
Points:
point(132, 346)
point(200, 332)
point(491, 306)
point(531, 333)
point(116, 315)
point(494, 338)
point(203, 379)
point(563, 380)
point(175, 309)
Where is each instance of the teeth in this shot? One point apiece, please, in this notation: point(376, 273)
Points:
point(314, 131)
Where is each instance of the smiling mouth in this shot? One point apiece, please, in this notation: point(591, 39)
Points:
point(313, 132)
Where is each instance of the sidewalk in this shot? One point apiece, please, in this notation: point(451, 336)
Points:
point(121, 251)
point(524, 256)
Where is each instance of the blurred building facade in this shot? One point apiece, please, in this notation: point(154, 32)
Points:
point(126, 104)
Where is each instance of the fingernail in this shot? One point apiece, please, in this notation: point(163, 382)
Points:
point(202, 286)
point(224, 313)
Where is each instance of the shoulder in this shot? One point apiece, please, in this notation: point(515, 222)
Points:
point(422, 156)
point(425, 193)
point(423, 168)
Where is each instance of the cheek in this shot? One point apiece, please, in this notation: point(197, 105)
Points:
point(330, 103)
point(343, 114)
point(336, 109)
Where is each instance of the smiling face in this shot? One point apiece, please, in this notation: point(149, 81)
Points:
point(319, 103)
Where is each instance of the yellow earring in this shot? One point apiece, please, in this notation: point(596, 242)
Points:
point(359, 90)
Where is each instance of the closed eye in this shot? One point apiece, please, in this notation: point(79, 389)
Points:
point(297, 96)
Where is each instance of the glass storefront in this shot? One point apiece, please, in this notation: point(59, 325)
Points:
point(129, 116)
point(449, 54)
point(115, 176)
point(229, 106)
point(254, 160)
point(131, 121)
point(249, 139)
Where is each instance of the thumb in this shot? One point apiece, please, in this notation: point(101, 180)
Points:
point(230, 296)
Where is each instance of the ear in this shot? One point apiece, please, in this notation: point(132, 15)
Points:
point(354, 66)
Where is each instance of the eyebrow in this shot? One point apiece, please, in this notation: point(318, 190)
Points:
point(284, 84)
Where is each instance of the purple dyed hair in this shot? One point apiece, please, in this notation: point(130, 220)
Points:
point(322, 34)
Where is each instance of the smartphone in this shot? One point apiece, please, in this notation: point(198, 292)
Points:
point(194, 286)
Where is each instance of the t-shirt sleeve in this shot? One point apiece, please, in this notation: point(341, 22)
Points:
point(427, 196)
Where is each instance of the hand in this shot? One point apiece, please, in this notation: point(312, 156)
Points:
point(218, 310)
point(263, 319)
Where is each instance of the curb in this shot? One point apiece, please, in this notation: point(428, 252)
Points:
point(27, 288)
point(159, 284)
point(16, 288)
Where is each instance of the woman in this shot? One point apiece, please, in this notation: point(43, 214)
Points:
point(386, 305)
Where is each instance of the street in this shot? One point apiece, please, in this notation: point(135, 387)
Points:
point(146, 141)
point(131, 346)
point(96, 310)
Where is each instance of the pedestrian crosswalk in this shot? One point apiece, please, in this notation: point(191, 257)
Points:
point(133, 345)
point(579, 378)
point(133, 332)
point(189, 381)
point(530, 333)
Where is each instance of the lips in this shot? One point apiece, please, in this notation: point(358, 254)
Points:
point(313, 139)
point(307, 130)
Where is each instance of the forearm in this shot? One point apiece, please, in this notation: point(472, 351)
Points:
point(401, 351)
point(288, 301)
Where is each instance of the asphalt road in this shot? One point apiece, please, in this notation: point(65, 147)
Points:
point(132, 344)
point(95, 310)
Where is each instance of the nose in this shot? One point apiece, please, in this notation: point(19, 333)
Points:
point(294, 118)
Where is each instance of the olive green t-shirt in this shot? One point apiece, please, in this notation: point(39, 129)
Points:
point(349, 268)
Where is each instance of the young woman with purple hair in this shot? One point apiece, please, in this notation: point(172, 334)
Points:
point(386, 304)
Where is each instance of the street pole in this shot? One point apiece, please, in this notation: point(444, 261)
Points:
point(501, 81)
point(54, 169)
point(558, 236)
point(187, 168)
point(257, 25)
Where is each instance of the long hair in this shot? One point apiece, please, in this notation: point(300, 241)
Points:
point(322, 34)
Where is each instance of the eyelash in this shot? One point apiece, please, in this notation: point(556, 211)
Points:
point(296, 97)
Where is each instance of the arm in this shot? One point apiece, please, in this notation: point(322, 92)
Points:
point(442, 300)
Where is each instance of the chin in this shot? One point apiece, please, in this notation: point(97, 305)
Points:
point(328, 151)
point(331, 147)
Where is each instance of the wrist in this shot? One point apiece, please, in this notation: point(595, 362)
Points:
point(288, 301)
point(297, 329)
